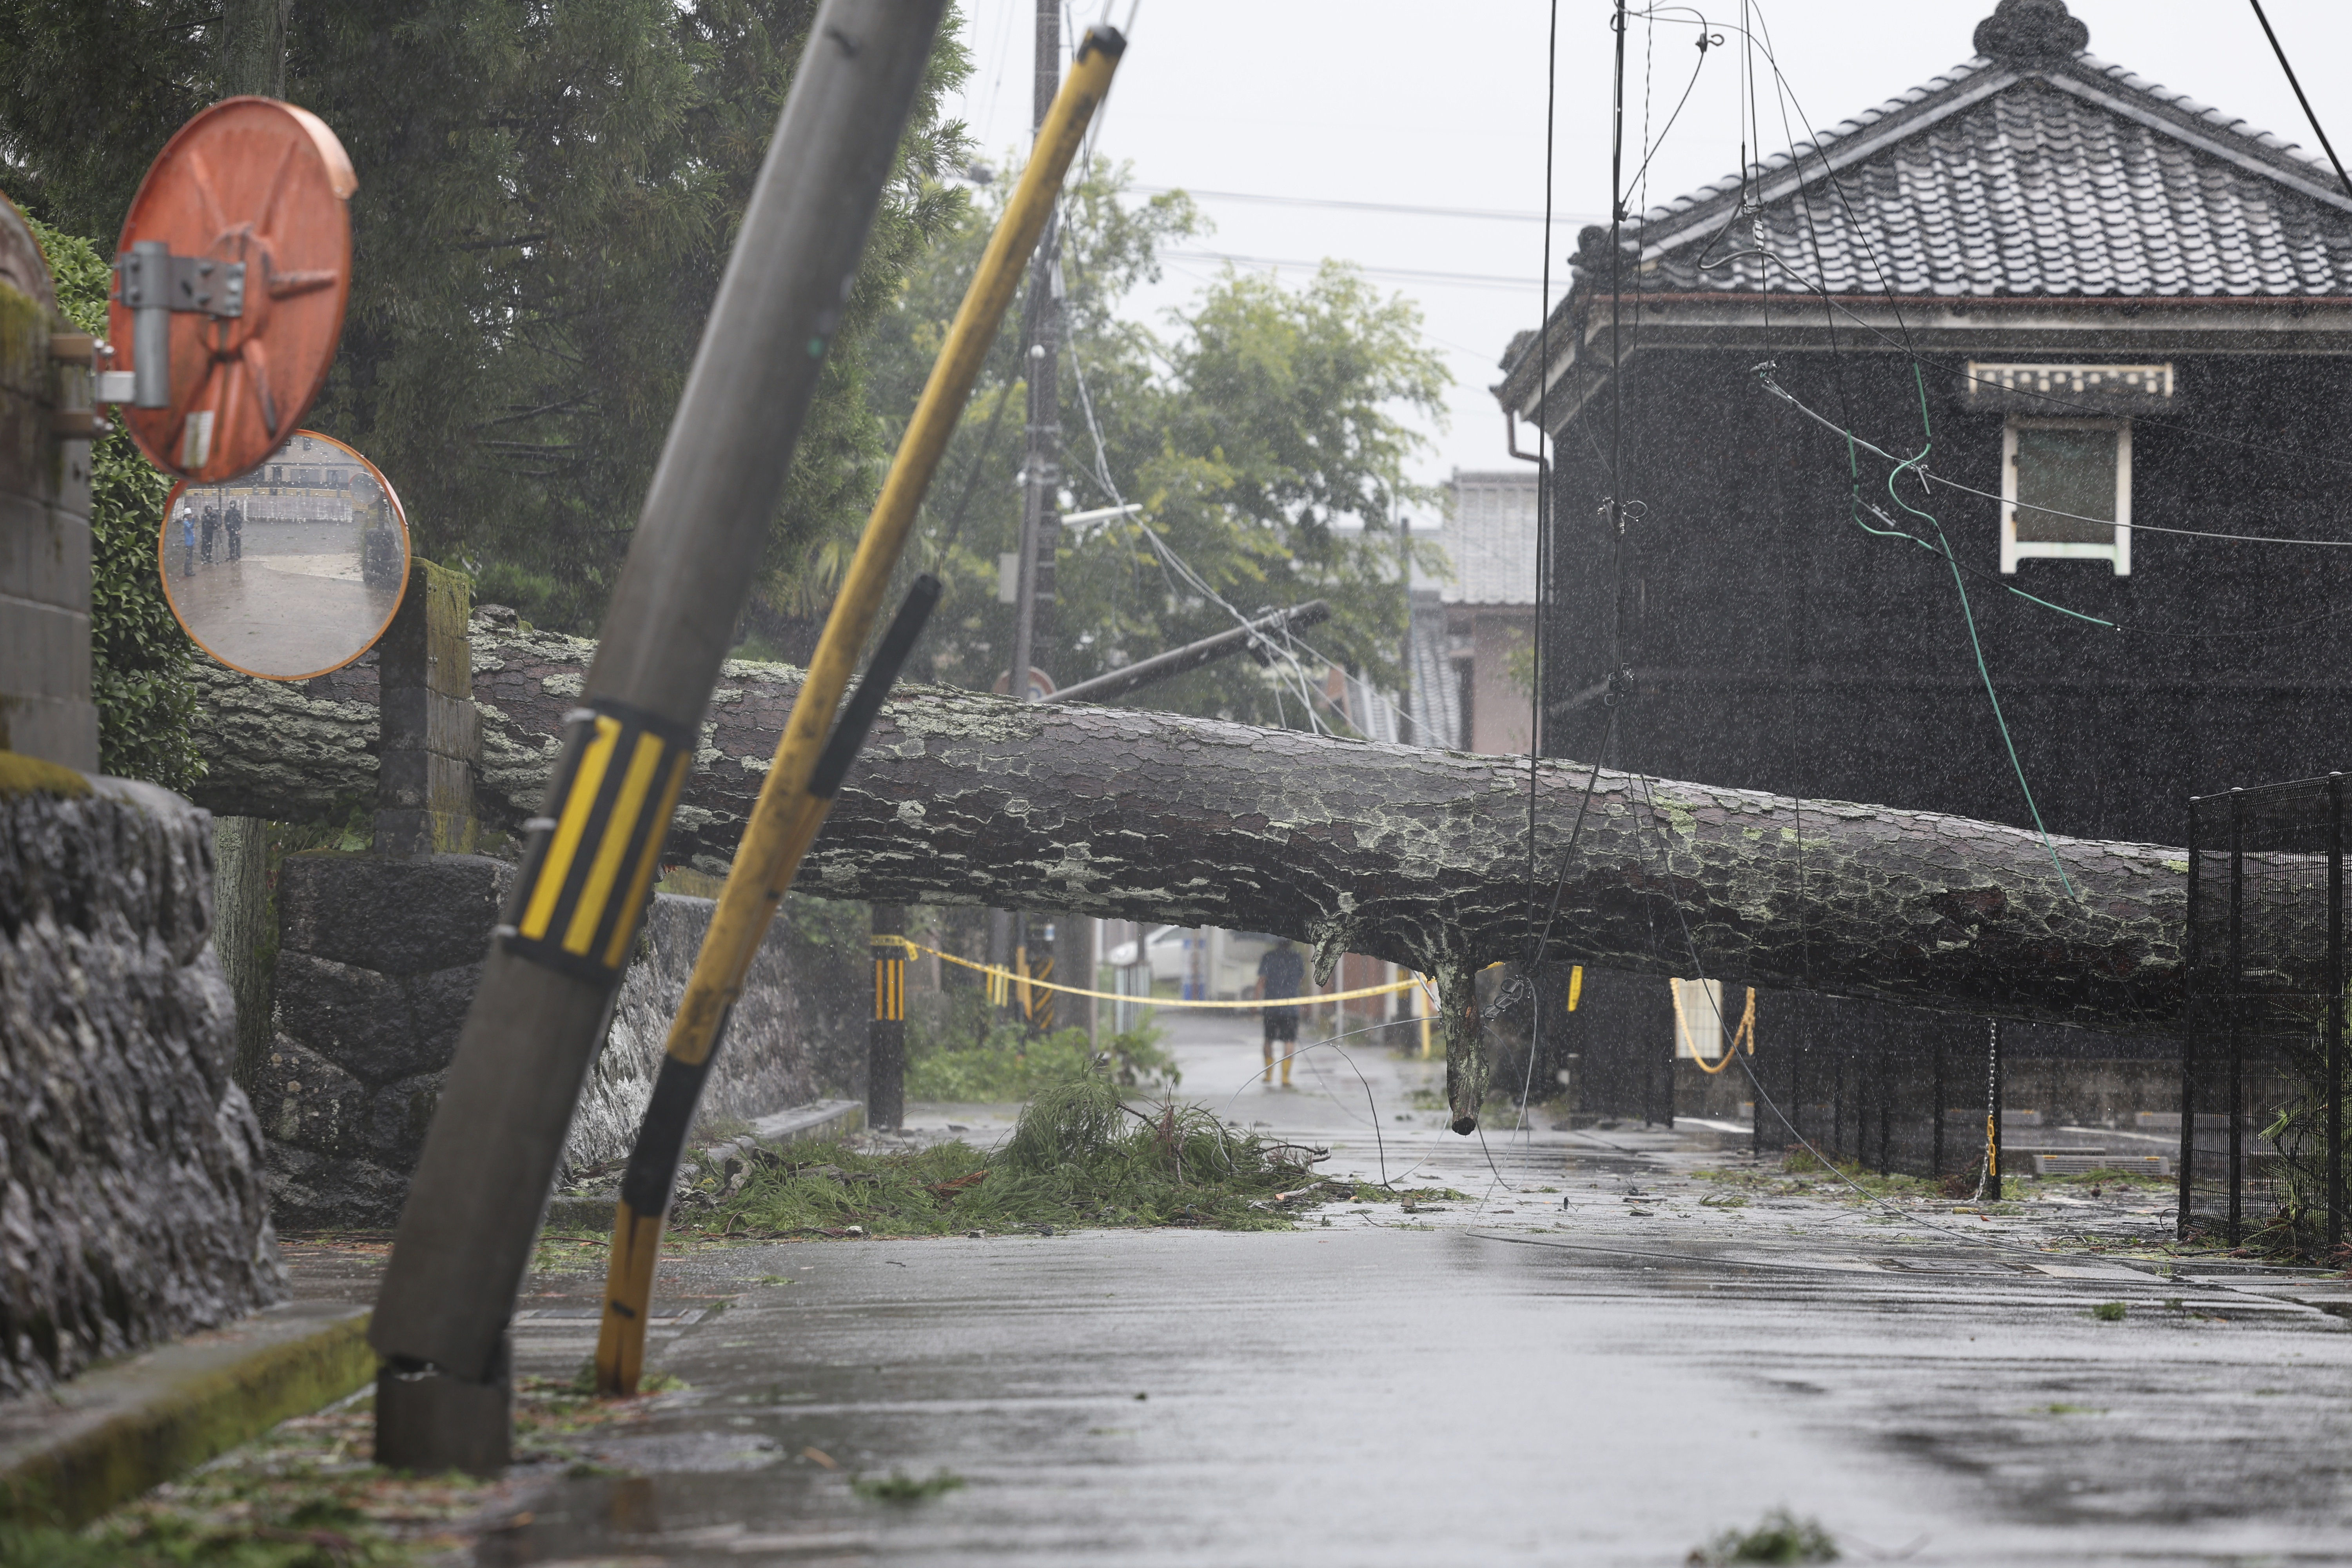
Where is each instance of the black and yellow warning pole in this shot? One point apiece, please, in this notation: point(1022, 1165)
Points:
point(885, 1040)
point(788, 812)
point(555, 961)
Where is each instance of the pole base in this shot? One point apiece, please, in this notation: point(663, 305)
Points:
point(428, 1422)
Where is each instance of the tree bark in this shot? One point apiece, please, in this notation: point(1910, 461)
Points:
point(253, 47)
point(1400, 853)
point(241, 933)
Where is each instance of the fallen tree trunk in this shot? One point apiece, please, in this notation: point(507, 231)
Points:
point(1400, 853)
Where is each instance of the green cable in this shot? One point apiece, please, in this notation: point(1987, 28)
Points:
point(2062, 609)
point(1855, 507)
point(1853, 499)
point(1975, 644)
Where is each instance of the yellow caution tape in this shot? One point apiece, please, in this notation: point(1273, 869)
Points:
point(1000, 978)
point(1744, 1035)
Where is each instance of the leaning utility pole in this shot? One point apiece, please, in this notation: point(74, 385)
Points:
point(556, 958)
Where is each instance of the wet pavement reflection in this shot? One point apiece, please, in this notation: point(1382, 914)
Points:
point(1579, 1362)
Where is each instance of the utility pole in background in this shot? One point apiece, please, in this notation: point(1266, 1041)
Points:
point(1040, 479)
point(1041, 471)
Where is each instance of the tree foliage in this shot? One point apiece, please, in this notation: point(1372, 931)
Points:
point(1262, 433)
point(139, 655)
point(547, 197)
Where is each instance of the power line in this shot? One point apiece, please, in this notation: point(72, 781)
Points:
point(1480, 280)
point(1919, 467)
point(1544, 514)
point(2280, 50)
point(1490, 214)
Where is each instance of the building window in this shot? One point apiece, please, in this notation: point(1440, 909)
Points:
point(2065, 491)
point(1698, 1020)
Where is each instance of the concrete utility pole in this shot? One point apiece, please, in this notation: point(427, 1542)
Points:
point(1041, 472)
point(1041, 464)
point(556, 959)
point(886, 1046)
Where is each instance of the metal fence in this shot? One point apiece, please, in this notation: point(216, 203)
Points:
point(1889, 1089)
point(2262, 1064)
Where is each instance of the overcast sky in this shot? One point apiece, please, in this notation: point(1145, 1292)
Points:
point(1413, 103)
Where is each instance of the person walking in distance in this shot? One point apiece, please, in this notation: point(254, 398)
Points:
point(212, 526)
point(1281, 972)
point(187, 538)
point(234, 521)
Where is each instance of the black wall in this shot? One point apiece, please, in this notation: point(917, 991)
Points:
point(1780, 647)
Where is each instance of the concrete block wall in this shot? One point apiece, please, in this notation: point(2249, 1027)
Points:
point(765, 1059)
point(46, 709)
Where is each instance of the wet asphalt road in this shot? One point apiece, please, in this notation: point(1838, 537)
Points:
point(1392, 1397)
point(1505, 1379)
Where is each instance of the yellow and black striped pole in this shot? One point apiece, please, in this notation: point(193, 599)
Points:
point(789, 813)
point(886, 1044)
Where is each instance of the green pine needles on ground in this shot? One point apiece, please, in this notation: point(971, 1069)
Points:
point(1009, 1062)
point(1781, 1537)
point(1080, 1155)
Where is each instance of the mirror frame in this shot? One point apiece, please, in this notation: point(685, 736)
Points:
point(399, 517)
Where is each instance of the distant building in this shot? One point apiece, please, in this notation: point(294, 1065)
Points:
point(1471, 650)
point(306, 480)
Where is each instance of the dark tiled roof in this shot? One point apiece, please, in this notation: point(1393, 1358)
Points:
point(2078, 179)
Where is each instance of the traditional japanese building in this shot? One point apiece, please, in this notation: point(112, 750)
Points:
point(2038, 327)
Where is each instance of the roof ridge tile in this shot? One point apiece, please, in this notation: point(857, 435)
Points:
point(2030, 185)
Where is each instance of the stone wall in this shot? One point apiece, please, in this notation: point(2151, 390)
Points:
point(764, 1063)
point(377, 962)
point(134, 1206)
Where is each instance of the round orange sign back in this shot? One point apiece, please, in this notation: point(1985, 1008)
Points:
point(240, 227)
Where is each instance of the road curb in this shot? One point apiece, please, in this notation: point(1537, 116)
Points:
point(88, 1445)
point(811, 1123)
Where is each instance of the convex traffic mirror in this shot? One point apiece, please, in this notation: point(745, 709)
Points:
point(291, 570)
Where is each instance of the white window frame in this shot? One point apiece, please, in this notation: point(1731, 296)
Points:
point(2012, 550)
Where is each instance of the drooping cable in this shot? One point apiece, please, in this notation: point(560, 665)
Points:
point(2308, 114)
point(1976, 644)
point(1917, 464)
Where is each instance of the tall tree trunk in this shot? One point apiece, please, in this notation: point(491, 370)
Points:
point(1416, 855)
point(241, 932)
point(253, 60)
point(253, 47)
